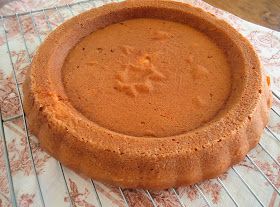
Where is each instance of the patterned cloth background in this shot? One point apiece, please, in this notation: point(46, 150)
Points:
point(19, 6)
point(33, 28)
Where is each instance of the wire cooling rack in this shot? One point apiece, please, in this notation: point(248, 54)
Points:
point(247, 184)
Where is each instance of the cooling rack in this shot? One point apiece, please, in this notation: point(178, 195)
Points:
point(29, 177)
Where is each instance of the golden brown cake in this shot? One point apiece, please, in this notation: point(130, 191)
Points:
point(147, 94)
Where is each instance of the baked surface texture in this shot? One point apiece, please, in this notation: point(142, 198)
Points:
point(144, 77)
point(147, 94)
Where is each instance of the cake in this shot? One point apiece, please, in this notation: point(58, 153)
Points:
point(147, 94)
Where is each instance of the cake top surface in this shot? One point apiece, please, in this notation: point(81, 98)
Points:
point(147, 77)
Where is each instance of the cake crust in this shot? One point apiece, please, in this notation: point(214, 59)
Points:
point(154, 162)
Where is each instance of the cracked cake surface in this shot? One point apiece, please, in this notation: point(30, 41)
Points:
point(147, 94)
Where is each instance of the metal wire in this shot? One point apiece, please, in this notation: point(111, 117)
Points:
point(70, 9)
point(47, 20)
point(270, 155)
point(262, 173)
point(23, 37)
point(12, 118)
point(272, 133)
point(66, 185)
point(247, 186)
point(227, 191)
point(95, 193)
point(24, 118)
point(274, 94)
point(7, 163)
point(202, 194)
point(178, 197)
point(60, 15)
point(151, 198)
point(123, 197)
point(35, 26)
point(82, 7)
point(275, 112)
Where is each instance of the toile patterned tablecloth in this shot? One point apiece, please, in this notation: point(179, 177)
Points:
point(266, 43)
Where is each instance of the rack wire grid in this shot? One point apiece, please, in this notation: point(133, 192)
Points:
point(33, 27)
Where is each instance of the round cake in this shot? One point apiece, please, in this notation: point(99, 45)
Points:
point(147, 94)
